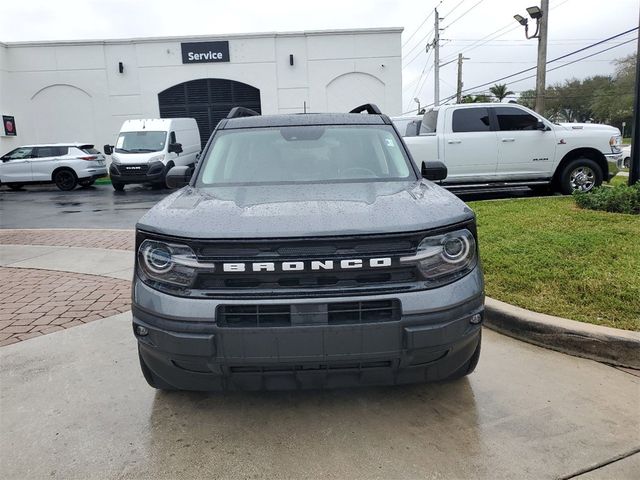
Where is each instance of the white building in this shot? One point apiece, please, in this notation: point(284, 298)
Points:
point(84, 90)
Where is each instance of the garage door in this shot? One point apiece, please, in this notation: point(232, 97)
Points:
point(208, 100)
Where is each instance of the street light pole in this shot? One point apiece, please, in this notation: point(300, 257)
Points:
point(541, 74)
point(541, 16)
point(634, 168)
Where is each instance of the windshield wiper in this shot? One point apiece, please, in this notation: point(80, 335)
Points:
point(142, 150)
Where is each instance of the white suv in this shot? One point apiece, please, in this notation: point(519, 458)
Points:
point(66, 165)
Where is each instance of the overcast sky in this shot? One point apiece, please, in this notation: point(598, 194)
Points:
point(572, 24)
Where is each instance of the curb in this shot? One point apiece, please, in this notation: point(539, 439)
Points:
point(602, 344)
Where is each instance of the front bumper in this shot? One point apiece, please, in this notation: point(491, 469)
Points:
point(139, 173)
point(433, 338)
point(614, 161)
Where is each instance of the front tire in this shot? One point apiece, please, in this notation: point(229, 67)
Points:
point(65, 180)
point(580, 175)
point(118, 187)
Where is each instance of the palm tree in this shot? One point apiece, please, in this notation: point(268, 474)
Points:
point(499, 90)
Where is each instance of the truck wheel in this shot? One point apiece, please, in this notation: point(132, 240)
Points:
point(580, 175)
point(65, 180)
point(151, 379)
point(471, 364)
point(626, 163)
point(118, 187)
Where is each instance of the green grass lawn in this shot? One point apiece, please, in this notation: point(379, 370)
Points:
point(546, 255)
point(618, 180)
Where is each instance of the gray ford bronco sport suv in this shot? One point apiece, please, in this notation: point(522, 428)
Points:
point(306, 251)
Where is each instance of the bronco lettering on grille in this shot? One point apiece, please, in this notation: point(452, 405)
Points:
point(347, 264)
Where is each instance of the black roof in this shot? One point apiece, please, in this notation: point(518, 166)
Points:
point(296, 119)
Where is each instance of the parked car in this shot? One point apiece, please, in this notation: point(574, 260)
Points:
point(147, 149)
point(626, 157)
point(306, 251)
point(65, 164)
point(496, 144)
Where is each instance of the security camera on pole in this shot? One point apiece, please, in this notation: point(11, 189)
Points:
point(541, 16)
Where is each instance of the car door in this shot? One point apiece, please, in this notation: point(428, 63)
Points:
point(16, 166)
point(525, 152)
point(45, 162)
point(470, 146)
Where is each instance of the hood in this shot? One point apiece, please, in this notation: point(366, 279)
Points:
point(305, 210)
point(591, 126)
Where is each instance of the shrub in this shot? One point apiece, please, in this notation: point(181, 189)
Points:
point(618, 199)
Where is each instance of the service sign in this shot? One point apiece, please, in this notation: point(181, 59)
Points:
point(205, 52)
point(9, 126)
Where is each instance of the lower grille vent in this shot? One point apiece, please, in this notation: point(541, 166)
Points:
point(342, 313)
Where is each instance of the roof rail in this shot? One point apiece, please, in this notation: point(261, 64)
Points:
point(237, 112)
point(370, 108)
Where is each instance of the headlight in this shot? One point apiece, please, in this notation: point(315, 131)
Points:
point(615, 142)
point(168, 265)
point(444, 258)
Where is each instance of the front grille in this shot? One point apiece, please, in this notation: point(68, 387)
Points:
point(133, 169)
point(340, 313)
point(302, 280)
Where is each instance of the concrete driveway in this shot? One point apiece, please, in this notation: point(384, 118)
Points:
point(74, 405)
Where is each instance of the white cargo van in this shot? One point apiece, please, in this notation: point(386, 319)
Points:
point(146, 149)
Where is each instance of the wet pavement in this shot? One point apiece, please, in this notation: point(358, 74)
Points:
point(100, 206)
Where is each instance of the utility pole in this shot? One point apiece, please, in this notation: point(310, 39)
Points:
point(634, 168)
point(541, 75)
point(436, 59)
point(459, 90)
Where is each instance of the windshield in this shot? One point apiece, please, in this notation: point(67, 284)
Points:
point(139, 142)
point(311, 154)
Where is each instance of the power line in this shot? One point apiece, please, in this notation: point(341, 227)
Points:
point(497, 34)
point(559, 58)
point(554, 68)
point(420, 26)
point(476, 87)
point(466, 11)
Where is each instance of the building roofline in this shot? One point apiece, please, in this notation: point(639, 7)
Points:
point(226, 36)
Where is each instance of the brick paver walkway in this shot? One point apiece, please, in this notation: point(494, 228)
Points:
point(36, 302)
point(110, 239)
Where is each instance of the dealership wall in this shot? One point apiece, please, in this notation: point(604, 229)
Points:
point(73, 91)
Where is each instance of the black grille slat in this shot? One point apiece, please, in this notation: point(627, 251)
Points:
point(343, 313)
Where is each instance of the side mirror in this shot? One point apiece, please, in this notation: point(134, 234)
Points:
point(179, 176)
point(434, 171)
point(108, 149)
point(175, 148)
point(541, 126)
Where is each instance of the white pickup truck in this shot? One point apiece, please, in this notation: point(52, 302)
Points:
point(504, 144)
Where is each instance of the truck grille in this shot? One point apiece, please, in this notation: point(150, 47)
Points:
point(134, 169)
point(306, 282)
point(342, 313)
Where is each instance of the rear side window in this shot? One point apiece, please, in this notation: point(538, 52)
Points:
point(43, 152)
point(471, 120)
point(510, 119)
point(91, 151)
